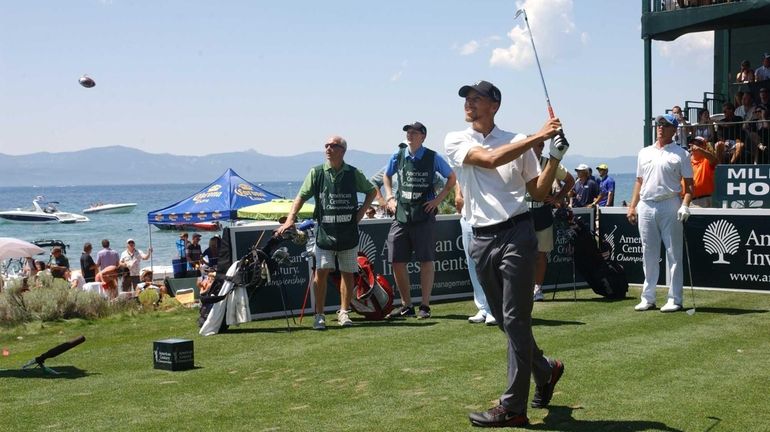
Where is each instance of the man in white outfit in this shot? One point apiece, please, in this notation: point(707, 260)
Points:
point(660, 212)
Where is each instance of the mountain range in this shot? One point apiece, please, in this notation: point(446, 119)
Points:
point(124, 165)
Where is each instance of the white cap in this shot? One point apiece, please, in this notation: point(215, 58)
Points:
point(130, 241)
point(582, 167)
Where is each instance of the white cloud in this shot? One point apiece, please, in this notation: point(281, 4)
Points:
point(691, 45)
point(553, 29)
point(469, 48)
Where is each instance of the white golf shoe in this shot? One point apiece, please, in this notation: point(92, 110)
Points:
point(670, 306)
point(538, 295)
point(478, 318)
point(644, 306)
point(490, 320)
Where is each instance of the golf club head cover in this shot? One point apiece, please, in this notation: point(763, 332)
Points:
point(559, 146)
point(683, 213)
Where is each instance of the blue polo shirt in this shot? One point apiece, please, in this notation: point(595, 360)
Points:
point(440, 166)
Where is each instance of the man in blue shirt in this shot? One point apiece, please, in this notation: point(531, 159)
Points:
point(585, 190)
point(415, 204)
point(606, 196)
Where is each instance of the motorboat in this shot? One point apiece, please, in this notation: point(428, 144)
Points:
point(110, 208)
point(39, 215)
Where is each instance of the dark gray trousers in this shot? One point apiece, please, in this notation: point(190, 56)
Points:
point(505, 265)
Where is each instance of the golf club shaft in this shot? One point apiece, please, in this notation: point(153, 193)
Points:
point(689, 267)
point(539, 68)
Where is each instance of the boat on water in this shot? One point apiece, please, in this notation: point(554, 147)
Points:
point(41, 215)
point(101, 208)
point(196, 226)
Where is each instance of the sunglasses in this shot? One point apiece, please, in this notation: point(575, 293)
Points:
point(332, 145)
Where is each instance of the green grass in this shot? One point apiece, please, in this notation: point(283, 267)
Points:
point(625, 371)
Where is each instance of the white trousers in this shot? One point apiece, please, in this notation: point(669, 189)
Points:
point(478, 293)
point(657, 222)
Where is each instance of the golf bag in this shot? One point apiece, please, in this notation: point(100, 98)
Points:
point(243, 277)
point(373, 294)
point(605, 276)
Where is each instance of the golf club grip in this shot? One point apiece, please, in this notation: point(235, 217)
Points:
point(550, 111)
point(59, 349)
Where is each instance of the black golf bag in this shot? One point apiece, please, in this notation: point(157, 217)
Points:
point(605, 276)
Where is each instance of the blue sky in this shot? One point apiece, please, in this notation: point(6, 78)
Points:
point(201, 77)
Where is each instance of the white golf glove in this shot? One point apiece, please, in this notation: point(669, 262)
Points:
point(683, 213)
point(559, 146)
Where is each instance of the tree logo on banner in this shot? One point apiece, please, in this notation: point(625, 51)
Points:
point(721, 238)
point(367, 246)
point(610, 239)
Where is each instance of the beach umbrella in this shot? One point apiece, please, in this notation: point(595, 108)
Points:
point(14, 248)
point(274, 210)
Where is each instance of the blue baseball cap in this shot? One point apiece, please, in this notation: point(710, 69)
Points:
point(667, 119)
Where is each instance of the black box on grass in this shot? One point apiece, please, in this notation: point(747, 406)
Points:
point(173, 354)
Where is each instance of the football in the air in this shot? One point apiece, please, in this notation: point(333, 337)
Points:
point(86, 81)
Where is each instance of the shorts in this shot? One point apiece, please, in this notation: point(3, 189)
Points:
point(347, 260)
point(545, 239)
point(405, 238)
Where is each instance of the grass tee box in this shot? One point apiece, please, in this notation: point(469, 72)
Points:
point(173, 354)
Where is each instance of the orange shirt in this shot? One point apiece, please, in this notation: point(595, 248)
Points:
point(702, 177)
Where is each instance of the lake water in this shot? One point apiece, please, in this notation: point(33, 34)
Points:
point(119, 227)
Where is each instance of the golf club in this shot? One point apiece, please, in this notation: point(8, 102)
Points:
point(537, 59)
point(689, 270)
point(39, 361)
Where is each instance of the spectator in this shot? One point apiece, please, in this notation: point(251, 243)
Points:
point(606, 196)
point(661, 212)
point(731, 137)
point(705, 126)
point(58, 260)
point(75, 279)
point(29, 267)
point(181, 247)
point(763, 72)
point(746, 110)
point(204, 285)
point(585, 190)
point(107, 257)
point(40, 266)
point(371, 212)
point(193, 254)
point(211, 254)
point(108, 276)
point(335, 186)
point(415, 205)
point(88, 267)
point(147, 283)
point(681, 133)
point(484, 314)
point(131, 258)
point(761, 136)
point(704, 160)
point(764, 99)
point(746, 74)
point(542, 216)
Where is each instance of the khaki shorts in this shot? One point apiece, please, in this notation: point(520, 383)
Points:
point(347, 260)
point(545, 239)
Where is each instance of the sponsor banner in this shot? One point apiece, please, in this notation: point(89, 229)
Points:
point(742, 186)
point(560, 271)
point(730, 248)
point(626, 244)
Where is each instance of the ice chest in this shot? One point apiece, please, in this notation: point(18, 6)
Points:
point(173, 354)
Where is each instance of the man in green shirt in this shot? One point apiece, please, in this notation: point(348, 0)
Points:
point(335, 186)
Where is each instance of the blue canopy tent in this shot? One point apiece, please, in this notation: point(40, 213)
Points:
point(216, 202)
